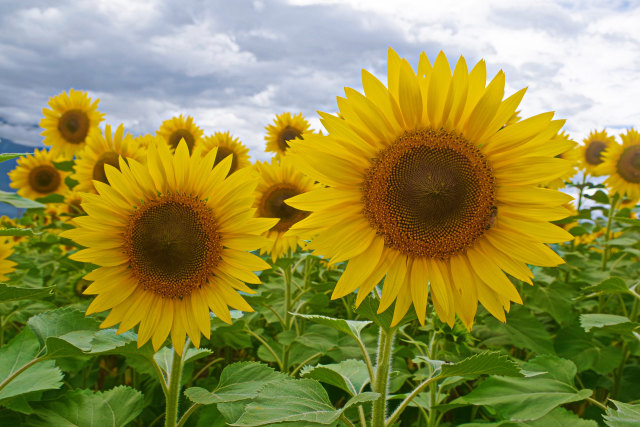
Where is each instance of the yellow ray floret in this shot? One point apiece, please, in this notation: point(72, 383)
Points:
point(170, 238)
point(178, 128)
point(227, 145)
point(71, 120)
point(279, 180)
point(285, 128)
point(36, 176)
point(570, 153)
point(432, 187)
point(622, 164)
point(590, 153)
point(6, 266)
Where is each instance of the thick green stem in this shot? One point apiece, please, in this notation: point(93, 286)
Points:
point(396, 414)
point(385, 350)
point(288, 274)
point(607, 232)
point(173, 394)
point(581, 191)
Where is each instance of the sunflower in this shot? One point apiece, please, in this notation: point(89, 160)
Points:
point(590, 154)
point(178, 128)
point(622, 164)
point(286, 128)
point(144, 141)
point(168, 250)
point(70, 121)
point(227, 145)
point(73, 203)
point(104, 149)
point(36, 176)
point(279, 180)
point(427, 186)
point(570, 154)
point(6, 266)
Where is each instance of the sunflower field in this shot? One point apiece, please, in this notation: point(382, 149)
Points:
point(428, 258)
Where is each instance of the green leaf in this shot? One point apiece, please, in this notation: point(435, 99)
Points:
point(8, 156)
point(525, 331)
point(51, 198)
point(164, 357)
point(625, 415)
point(115, 407)
point(487, 363)
point(285, 401)
point(627, 220)
point(21, 350)
point(622, 241)
point(18, 232)
point(350, 327)
point(66, 166)
point(610, 286)
point(522, 399)
point(349, 375)
point(560, 417)
point(239, 381)
point(553, 367)
point(600, 197)
point(58, 323)
point(613, 322)
point(19, 202)
point(14, 293)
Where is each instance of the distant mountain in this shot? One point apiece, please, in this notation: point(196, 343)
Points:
point(8, 146)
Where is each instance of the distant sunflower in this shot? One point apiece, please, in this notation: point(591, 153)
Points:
point(285, 129)
point(428, 187)
point(144, 141)
point(570, 154)
point(227, 145)
point(622, 164)
point(178, 128)
point(73, 203)
point(36, 176)
point(168, 250)
point(591, 152)
point(70, 121)
point(104, 149)
point(278, 182)
point(6, 266)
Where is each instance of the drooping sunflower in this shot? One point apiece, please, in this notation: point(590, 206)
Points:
point(622, 164)
point(285, 128)
point(71, 120)
point(170, 238)
point(279, 180)
point(36, 175)
point(178, 128)
point(427, 188)
point(6, 266)
point(227, 145)
point(570, 154)
point(104, 149)
point(591, 152)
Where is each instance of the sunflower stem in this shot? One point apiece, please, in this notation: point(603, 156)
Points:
point(173, 396)
point(607, 233)
point(288, 275)
point(383, 369)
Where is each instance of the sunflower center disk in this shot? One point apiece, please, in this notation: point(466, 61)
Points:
point(74, 126)
point(108, 158)
point(180, 134)
point(273, 206)
point(222, 154)
point(286, 135)
point(430, 194)
point(593, 153)
point(173, 245)
point(629, 164)
point(44, 179)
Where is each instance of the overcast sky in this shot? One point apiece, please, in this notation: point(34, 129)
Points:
point(233, 65)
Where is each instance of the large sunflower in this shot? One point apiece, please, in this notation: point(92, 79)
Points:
point(104, 149)
point(36, 176)
point(428, 187)
point(570, 154)
point(279, 180)
point(622, 164)
point(227, 145)
point(591, 152)
point(70, 121)
point(6, 266)
point(285, 128)
point(178, 128)
point(170, 238)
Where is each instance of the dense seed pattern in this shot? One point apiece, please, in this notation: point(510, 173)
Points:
point(430, 194)
point(272, 205)
point(74, 126)
point(173, 245)
point(44, 179)
point(629, 164)
point(180, 134)
point(108, 158)
point(593, 153)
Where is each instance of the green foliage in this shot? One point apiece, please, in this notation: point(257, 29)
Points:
point(8, 156)
point(19, 202)
point(15, 293)
point(624, 415)
point(350, 375)
point(488, 363)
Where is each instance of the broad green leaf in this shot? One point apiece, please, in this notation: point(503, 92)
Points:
point(622, 241)
point(624, 220)
point(115, 407)
point(51, 198)
point(238, 381)
point(369, 310)
point(22, 349)
point(612, 285)
point(17, 232)
point(625, 415)
point(17, 201)
point(66, 165)
point(600, 197)
point(553, 367)
point(612, 322)
point(8, 156)
point(525, 331)
point(14, 293)
point(57, 323)
point(164, 357)
point(487, 363)
point(522, 399)
point(350, 327)
point(107, 340)
point(350, 375)
point(575, 344)
point(560, 417)
point(285, 401)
